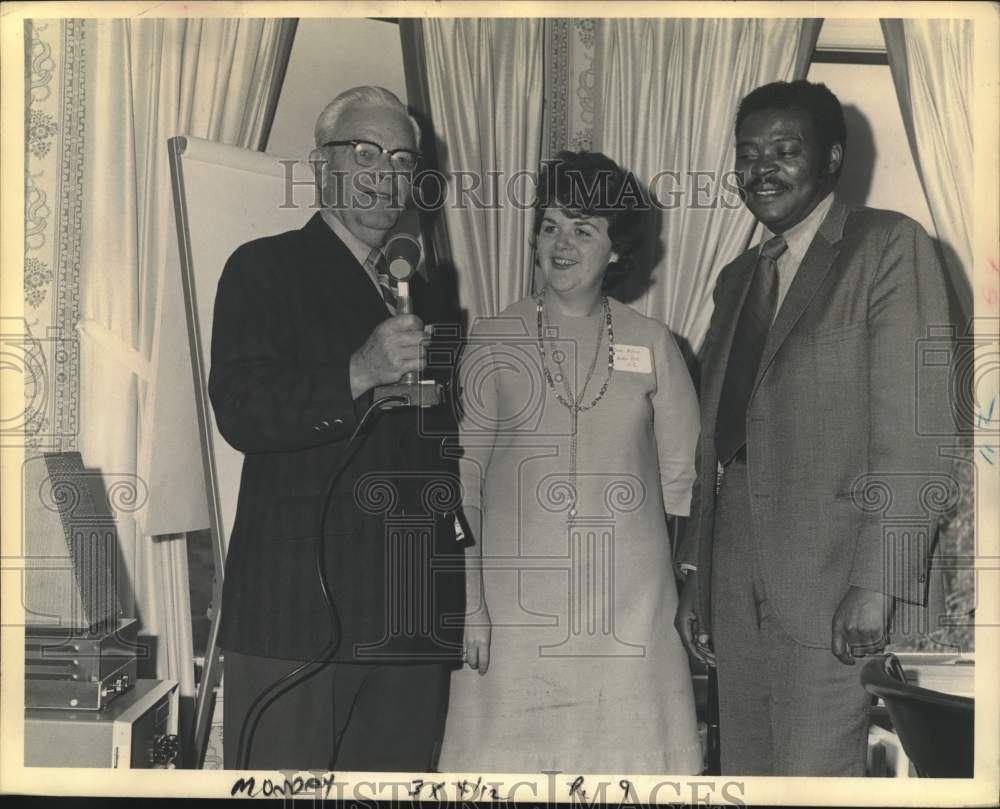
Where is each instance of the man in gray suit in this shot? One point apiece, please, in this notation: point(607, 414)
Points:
point(809, 387)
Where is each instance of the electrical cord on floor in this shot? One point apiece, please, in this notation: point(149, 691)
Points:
point(303, 672)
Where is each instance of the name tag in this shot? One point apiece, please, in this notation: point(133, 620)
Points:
point(633, 358)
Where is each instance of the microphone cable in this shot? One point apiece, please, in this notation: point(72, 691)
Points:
point(303, 672)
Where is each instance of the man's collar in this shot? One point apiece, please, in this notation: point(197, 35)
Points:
point(801, 235)
point(358, 248)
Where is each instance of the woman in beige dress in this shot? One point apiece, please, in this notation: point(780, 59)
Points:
point(579, 428)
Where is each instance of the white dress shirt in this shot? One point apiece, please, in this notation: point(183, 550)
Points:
point(798, 239)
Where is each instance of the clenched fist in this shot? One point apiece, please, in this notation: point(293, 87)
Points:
point(394, 348)
point(861, 624)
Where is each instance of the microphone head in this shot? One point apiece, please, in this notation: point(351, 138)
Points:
point(402, 253)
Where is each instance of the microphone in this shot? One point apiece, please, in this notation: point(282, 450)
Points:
point(403, 254)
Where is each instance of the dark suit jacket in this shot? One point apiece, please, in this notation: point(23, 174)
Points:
point(289, 312)
point(843, 488)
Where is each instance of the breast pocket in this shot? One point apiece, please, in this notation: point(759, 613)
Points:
point(836, 335)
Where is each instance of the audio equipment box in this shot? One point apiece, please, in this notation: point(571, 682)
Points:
point(136, 731)
point(70, 669)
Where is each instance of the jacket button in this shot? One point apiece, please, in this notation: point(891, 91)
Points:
point(338, 422)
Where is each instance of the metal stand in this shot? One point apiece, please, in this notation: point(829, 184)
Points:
point(211, 676)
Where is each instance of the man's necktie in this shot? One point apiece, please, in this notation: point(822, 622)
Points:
point(748, 347)
point(376, 261)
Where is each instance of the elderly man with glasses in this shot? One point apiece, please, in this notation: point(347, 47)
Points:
point(348, 670)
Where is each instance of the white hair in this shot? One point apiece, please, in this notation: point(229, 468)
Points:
point(365, 96)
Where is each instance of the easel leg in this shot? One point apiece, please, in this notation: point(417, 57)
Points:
point(210, 678)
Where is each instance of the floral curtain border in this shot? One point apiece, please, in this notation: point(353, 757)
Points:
point(571, 85)
point(54, 149)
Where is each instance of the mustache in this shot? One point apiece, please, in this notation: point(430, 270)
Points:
point(765, 184)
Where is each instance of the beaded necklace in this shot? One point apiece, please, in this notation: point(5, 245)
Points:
point(574, 402)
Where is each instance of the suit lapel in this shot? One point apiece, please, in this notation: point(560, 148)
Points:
point(815, 266)
point(331, 260)
point(719, 349)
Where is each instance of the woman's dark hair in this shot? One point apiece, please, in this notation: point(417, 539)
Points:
point(814, 99)
point(592, 184)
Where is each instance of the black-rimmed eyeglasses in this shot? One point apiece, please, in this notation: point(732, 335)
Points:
point(367, 154)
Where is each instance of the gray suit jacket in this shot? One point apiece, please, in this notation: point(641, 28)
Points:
point(843, 489)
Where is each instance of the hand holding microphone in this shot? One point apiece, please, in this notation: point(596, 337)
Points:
point(394, 349)
point(395, 353)
point(402, 254)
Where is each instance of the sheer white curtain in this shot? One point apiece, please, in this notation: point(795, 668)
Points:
point(148, 80)
point(669, 90)
point(932, 69)
point(485, 81)
point(931, 63)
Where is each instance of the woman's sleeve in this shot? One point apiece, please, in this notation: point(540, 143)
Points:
point(675, 424)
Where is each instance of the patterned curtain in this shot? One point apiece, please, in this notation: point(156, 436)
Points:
point(570, 85)
point(54, 114)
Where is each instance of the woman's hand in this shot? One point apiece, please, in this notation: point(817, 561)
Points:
point(478, 633)
point(695, 640)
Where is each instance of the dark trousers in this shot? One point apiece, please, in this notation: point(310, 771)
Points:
point(347, 717)
point(784, 708)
